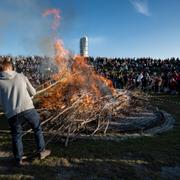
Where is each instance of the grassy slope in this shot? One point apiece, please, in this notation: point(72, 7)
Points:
point(129, 159)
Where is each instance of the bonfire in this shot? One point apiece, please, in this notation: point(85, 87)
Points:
point(79, 100)
point(82, 101)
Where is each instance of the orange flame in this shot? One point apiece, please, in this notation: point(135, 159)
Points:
point(61, 54)
point(78, 76)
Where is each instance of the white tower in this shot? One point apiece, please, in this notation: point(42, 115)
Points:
point(84, 46)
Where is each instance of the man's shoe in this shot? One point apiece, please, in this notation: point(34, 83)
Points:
point(24, 157)
point(21, 163)
point(43, 154)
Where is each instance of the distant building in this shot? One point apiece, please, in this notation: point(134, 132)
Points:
point(84, 46)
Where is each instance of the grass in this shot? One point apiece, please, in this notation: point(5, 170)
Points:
point(87, 159)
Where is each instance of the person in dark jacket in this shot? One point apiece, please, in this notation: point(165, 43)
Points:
point(15, 99)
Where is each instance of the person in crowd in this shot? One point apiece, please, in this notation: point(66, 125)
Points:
point(139, 79)
point(173, 85)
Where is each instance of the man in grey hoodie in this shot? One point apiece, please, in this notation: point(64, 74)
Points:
point(15, 98)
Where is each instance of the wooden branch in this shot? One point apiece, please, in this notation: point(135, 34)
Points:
point(67, 138)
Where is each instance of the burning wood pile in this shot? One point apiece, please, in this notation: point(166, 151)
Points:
point(81, 100)
point(85, 113)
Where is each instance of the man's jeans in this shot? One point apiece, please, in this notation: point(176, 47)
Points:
point(32, 117)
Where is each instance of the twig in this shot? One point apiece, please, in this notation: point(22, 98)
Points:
point(107, 125)
point(67, 138)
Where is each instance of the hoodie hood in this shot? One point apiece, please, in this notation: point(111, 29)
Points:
point(7, 75)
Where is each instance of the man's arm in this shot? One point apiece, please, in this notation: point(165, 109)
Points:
point(30, 89)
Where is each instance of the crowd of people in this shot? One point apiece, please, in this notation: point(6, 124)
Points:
point(150, 75)
point(37, 68)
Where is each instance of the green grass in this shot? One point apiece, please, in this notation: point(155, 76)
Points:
point(88, 159)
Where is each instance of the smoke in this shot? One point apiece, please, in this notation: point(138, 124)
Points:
point(21, 23)
point(23, 29)
point(57, 17)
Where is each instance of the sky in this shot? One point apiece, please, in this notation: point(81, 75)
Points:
point(115, 28)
